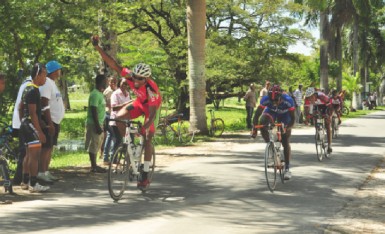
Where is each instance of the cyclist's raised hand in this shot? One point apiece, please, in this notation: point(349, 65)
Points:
point(95, 40)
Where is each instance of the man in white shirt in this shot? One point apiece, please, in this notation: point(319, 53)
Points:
point(52, 114)
point(265, 90)
point(16, 127)
point(298, 100)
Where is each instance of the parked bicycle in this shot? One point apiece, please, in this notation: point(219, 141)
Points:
point(274, 164)
point(217, 125)
point(127, 161)
point(320, 135)
point(345, 110)
point(171, 127)
point(7, 157)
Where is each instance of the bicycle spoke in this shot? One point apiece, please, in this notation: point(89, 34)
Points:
point(319, 144)
point(217, 127)
point(270, 167)
point(118, 173)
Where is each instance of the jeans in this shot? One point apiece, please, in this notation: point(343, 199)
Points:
point(109, 143)
point(249, 111)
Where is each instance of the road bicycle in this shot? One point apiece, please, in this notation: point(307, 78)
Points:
point(320, 135)
point(127, 160)
point(335, 127)
point(217, 125)
point(171, 127)
point(7, 156)
point(274, 164)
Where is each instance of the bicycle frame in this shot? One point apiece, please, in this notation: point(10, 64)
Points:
point(134, 156)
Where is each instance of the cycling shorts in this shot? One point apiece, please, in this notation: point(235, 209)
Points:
point(140, 109)
point(30, 134)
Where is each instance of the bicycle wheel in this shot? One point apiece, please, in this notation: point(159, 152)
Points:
point(184, 132)
point(319, 144)
point(345, 110)
point(270, 167)
point(118, 173)
point(217, 127)
point(5, 179)
point(281, 167)
point(163, 135)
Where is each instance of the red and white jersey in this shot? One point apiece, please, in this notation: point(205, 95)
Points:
point(148, 93)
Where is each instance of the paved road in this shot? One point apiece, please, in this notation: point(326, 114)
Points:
point(219, 187)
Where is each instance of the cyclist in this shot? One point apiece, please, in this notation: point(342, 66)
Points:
point(147, 102)
point(277, 106)
point(320, 100)
point(336, 104)
point(31, 128)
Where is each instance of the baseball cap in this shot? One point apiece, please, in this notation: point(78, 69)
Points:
point(53, 66)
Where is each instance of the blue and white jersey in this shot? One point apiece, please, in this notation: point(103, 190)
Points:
point(286, 104)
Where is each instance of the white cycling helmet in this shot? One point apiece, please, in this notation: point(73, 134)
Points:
point(309, 91)
point(142, 69)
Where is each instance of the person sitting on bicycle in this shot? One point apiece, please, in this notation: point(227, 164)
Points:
point(147, 102)
point(280, 107)
point(319, 100)
point(336, 104)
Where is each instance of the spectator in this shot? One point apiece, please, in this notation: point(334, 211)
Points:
point(31, 128)
point(298, 100)
point(265, 90)
point(109, 136)
point(251, 100)
point(16, 131)
point(119, 98)
point(53, 114)
point(95, 118)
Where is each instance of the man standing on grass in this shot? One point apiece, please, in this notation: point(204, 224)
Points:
point(94, 123)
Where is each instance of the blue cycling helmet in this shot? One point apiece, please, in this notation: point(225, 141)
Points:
point(52, 66)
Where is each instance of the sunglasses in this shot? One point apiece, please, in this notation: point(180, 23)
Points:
point(138, 77)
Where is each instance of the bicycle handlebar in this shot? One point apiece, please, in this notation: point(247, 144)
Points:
point(126, 122)
point(269, 125)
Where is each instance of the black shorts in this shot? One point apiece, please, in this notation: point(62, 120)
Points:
point(51, 140)
point(30, 134)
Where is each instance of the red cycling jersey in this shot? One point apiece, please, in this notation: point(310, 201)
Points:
point(146, 94)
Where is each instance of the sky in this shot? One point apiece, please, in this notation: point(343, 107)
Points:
point(300, 48)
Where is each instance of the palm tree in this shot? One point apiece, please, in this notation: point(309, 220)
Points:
point(352, 86)
point(196, 19)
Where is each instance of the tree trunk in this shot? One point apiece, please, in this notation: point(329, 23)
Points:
point(324, 35)
point(356, 55)
point(196, 19)
point(339, 58)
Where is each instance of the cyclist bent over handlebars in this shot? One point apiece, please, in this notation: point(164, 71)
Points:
point(321, 100)
point(147, 102)
point(276, 106)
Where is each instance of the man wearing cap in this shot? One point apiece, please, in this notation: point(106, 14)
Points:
point(298, 100)
point(52, 114)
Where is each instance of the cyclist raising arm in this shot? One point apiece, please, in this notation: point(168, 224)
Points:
point(322, 101)
point(148, 101)
point(276, 106)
